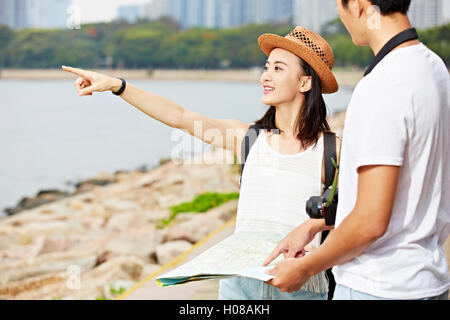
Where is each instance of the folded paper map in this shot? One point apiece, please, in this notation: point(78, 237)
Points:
point(242, 254)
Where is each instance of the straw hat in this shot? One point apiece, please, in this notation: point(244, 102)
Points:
point(310, 47)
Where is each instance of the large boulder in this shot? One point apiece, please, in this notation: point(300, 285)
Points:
point(46, 263)
point(139, 243)
point(126, 220)
point(85, 285)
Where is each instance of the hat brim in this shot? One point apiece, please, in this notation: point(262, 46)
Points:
point(268, 42)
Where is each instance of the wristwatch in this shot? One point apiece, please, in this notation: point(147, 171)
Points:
point(122, 88)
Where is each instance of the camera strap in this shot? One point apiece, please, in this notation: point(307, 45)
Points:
point(329, 152)
point(402, 37)
point(330, 170)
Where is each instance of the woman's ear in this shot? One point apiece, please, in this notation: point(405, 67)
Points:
point(305, 84)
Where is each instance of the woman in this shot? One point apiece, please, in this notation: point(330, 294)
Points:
point(284, 167)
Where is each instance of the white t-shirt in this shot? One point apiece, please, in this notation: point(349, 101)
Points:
point(399, 116)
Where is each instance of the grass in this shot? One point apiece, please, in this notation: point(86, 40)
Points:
point(117, 292)
point(113, 291)
point(200, 204)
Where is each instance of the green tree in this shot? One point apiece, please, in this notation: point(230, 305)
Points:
point(33, 48)
point(347, 53)
point(136, 46)
point(333, 27)
point(78, 52)
point(161, 44)
point(6, 36)
point(437, 39)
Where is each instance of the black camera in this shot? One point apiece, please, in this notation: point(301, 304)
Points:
point(316, 207)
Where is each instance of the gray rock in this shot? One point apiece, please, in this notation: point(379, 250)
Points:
point(142, 246)
point(41, 198)
point(47, 263)
point(124, 221)
point(118, 205)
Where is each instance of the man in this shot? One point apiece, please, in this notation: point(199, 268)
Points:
point(394, 207)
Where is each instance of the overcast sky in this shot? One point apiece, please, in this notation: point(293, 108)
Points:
point(106, 10)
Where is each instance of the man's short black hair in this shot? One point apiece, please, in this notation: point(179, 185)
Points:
point(388, 6)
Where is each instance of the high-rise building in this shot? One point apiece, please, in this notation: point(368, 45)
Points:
point(23, 14)
point(211, 13)
point(20, 14)
point(129, 13)
point(195, 13)
point(7, 13)
point(225, 13)
point(231, 13)
point(446, 12)
point(178, 10)
point(314, 14)
point(426, 14)
point(268, 11)
point(259, 11)
point(156, 9)
point(284, 10)
point(49, 13)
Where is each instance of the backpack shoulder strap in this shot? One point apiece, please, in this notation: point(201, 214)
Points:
point(247, 143)
point(329, 152)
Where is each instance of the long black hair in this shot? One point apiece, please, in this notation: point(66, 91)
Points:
point(312, 118)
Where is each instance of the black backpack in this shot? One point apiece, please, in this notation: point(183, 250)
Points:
point(328, 153)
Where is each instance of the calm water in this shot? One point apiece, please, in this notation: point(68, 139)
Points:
point(49, 136)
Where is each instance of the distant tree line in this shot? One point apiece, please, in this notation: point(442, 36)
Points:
point(161, 44)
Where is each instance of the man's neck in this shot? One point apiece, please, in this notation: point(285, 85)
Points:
point(391, 26)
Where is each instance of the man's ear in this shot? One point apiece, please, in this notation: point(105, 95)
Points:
point(357, 7)
point(305, 84)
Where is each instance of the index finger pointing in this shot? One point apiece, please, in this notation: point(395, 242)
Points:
point(78, 72)
point(275, 253)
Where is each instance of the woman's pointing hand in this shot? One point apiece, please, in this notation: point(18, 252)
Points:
point(90, 82)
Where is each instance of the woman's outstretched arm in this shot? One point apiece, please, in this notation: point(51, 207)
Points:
point(226, 134)
point(159, 108)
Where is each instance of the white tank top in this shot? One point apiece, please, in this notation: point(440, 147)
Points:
point(275, 187)
point(274, 191)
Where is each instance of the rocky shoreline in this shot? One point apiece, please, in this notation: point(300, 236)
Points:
point(47, 196)
point(103, 238)
point(90, 245)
